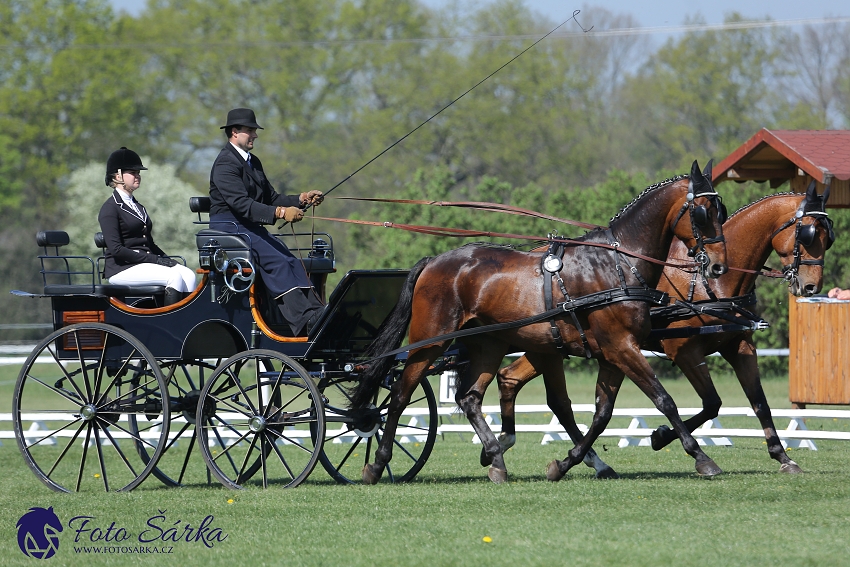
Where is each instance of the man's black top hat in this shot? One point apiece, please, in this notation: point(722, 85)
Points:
point(123, 159)
point(242, 117)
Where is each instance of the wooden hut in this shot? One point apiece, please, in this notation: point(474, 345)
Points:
point(797, 156)
point(819, 333)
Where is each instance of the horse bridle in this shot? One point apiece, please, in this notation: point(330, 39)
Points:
point(699, 219)
point(805, 234)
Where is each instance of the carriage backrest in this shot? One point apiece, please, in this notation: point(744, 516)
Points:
point(55, 238)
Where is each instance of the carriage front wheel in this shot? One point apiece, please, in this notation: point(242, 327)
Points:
point(72, 403)
point(255, 421)
point(353, 436)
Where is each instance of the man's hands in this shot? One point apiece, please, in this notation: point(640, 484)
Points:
point(313, 198)
point(289, 214)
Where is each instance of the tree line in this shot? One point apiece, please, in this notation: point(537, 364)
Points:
point(575, 127)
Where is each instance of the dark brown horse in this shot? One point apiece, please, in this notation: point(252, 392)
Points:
point(793, 225)
point(483, 285)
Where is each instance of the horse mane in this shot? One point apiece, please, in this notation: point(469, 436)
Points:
point(772, 195)
point(649, 189)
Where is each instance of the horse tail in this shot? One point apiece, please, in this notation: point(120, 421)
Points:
point(388, 337)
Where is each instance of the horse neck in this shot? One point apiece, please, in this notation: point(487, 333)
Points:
point(748, 242)
point(645, 227)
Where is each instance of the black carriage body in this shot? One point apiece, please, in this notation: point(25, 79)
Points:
point(205, 328)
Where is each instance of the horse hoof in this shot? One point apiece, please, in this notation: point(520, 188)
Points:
point(607, 473)
point(553, 472)
point(498, 476)
point(790, 467)
point(485, 460)
point(369, 476)
point(708, 469)
point(657, 437)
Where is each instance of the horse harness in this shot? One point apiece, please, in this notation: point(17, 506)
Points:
point(805, 235)
point(551, 264)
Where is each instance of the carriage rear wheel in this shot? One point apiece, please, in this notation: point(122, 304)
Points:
point(180, 462)
point(72, 403)
point(258, 412)
point(352, 436)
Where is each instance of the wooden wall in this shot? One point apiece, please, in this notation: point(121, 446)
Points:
point(819, 352)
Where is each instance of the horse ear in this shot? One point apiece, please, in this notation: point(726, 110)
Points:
point(707, 171)
point(811, 191)
point(694, 170)
point(825, 196)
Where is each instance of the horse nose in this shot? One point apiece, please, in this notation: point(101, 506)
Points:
point(810, 289)
point(718, 270)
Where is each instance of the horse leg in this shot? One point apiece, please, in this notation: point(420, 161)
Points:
point(631, 361)
point(510, 380)
point(559, 402)
point(691, 362)
point(483, 363)
point(608, 383)
point(415, 369)
point(741, 354)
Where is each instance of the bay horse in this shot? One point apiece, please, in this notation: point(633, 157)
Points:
point(478, 285)
point(792, 224)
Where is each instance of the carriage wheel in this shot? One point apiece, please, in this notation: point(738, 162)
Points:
point(258, 410)
point(71, 408)
point(180, 462)
point(352, 436)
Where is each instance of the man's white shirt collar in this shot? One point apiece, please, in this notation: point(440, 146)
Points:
point(242, 152)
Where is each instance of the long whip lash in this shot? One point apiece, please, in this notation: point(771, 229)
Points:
point(514, 58)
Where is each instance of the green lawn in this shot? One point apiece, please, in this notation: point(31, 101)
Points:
point(658, 513)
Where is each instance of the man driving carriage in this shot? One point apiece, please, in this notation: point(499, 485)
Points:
point(242, 200)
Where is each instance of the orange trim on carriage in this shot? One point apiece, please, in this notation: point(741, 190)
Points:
point(261, 324)
point(118, 304)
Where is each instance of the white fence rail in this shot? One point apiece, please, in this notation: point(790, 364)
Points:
point(637, 433)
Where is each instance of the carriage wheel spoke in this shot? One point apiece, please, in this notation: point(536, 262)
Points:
point(120, 372)
point(176, 437)
point(186, 458)
point(220, 440)
point(83, 459)
point(64, 371)
point(239, 478)
point(101, 366)
point(119, 451)
point(65, 450)
point(283, 460)
point(347, 453)
point(138, 438)
point(66, 395)
point(52, 433)
point(290, 439)
point(100, 457)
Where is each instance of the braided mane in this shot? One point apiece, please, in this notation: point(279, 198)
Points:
point(649, 189)
point(772, 195)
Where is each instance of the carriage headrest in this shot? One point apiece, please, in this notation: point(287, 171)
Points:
point(52, 238)
point(199, 204)
point(99, 240)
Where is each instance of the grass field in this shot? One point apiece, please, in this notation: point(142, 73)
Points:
point(659, 513)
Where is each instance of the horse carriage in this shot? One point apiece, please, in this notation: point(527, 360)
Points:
point(126, 387)
point(133, 388)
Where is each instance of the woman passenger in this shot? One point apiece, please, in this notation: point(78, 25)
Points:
point(132, 256)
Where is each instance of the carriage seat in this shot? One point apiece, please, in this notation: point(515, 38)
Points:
point(66, 274)
point(121, 291)
point(318, 260)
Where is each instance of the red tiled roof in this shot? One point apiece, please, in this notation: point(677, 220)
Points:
point(816, 152)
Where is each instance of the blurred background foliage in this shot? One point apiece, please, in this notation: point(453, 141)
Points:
point(574, 128)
